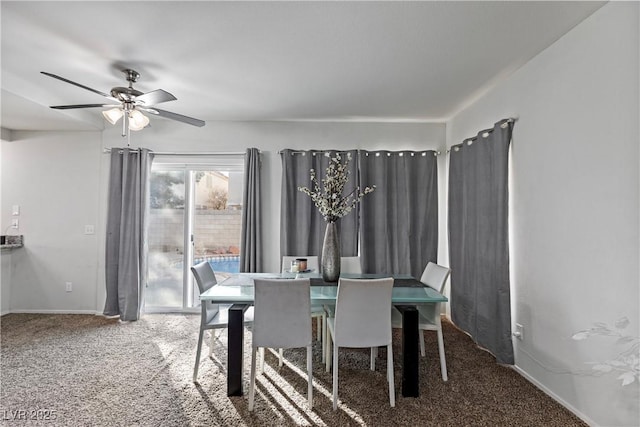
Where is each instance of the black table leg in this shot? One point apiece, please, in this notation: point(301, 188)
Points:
point(410, 353)
point(235, 344)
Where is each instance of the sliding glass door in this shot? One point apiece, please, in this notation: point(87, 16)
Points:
point(195, 216)
point(167, 222)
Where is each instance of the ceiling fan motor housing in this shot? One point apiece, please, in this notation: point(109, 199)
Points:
point(132, 75)
point(125, 94)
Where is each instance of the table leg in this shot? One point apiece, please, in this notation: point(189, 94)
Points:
point(235, 349)
point(410, 352)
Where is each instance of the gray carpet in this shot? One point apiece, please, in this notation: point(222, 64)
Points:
point(91, 371)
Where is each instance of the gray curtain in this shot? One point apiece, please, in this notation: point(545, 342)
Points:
point(478, 239)
point(399, 220)
point(126, 246)
point(251, 246)
point(301, 226)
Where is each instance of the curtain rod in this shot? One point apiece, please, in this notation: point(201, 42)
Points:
point(176, 153)
point(486, 132)
point(436, 152)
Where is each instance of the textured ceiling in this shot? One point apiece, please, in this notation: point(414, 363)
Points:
point(364, 61)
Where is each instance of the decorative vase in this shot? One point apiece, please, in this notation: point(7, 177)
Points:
point(331, 253)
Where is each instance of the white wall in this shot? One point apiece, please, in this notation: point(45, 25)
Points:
point(575, 190)
point(60, 181)
point(5, 256)
point(55, 178)
point(5, 282)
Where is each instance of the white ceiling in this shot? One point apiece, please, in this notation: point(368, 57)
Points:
point(364, 61)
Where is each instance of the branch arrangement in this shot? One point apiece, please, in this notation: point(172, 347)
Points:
point(328, 198)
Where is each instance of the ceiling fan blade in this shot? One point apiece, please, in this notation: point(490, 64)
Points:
point(69, 107)
point(106, 95)
point(175, 116)
point(155, 97)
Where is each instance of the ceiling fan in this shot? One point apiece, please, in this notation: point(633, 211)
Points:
point(129, 103)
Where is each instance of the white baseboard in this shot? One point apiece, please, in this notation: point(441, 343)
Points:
point(555, 397)
point(53, 312)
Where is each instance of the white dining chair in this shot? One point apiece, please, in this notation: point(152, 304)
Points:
point(212, 316)
point(282, 313)
point(435, 276)
point(317, 311)
point(350, 265)
point(362, 320)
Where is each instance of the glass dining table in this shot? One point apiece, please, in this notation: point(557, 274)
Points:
point(408, 293)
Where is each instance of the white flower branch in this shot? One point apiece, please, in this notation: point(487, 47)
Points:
point(329, 200)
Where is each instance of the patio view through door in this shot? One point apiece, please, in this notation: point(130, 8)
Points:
point(195, 215)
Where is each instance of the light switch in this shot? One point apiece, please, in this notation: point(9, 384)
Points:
point(14, 223)
point(89, 229)
point(15, 210)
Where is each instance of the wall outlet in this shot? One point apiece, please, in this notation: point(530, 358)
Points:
point(15, 223)
point(89, 229)
point(68, 286)
point(15, 210)
point(519, 331)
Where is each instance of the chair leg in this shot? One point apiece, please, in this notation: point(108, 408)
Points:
point(324, 336)
point(213, 340)
point(392, 394)
point(195, 368)
point(252, 384)
point(327, 350)
point(280, 357)
point(422, 353)
point(319, 328)
point(261, 355)
point(335, 377)
point(443, 361)
point(374, 354)
point(310, 376)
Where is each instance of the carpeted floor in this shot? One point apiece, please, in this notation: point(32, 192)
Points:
point(86, 370)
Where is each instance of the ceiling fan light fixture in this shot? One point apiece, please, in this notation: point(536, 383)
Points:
point(113, 115)
point(137, 120)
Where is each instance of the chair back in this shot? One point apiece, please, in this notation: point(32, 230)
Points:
point(363, 312)
point(282, 313)
point(350, 265)
point(206, 278)
point(312, 262)
point(435, 276)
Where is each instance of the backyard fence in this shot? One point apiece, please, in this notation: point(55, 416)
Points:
point(215, 231)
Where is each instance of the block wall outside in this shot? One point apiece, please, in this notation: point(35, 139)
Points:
point(216, 231)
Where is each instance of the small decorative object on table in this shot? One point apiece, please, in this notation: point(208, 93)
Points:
point(332, 205)
point(302, 264)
